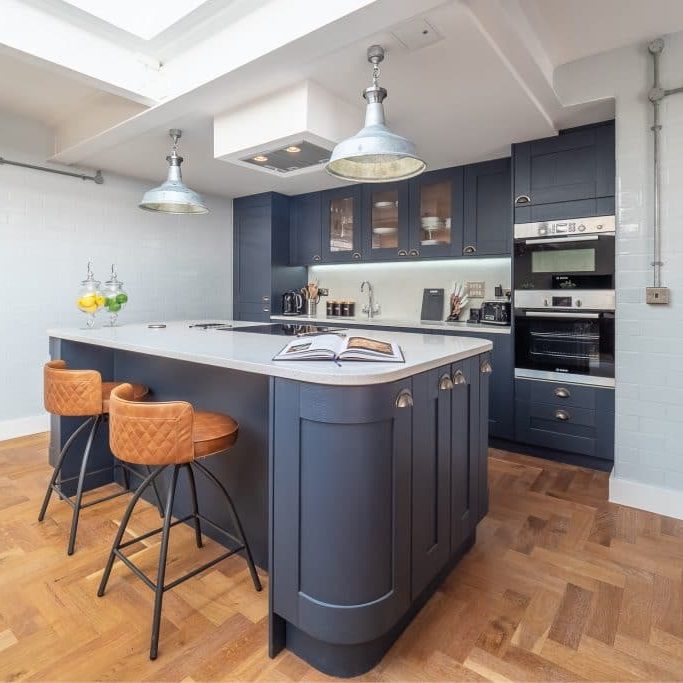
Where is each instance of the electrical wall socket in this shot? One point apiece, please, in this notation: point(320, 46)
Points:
point(476, 290)
point(657, 295)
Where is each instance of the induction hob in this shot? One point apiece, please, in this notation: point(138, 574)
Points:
point(288, 329)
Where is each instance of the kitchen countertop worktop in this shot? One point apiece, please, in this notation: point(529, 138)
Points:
point(459, 326)
point(254, 352)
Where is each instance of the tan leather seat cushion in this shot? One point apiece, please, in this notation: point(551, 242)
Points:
point(212, 433)
point(140, 392)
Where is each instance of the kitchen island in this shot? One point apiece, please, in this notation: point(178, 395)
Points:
point(359, 485)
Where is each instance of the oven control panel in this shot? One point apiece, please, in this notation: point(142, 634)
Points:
point(575, 227)
point(590, 299)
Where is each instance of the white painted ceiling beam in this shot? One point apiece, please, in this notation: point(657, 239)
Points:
point(43, 37)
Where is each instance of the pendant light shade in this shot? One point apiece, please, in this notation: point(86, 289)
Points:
point(173, 196)
point(375, 154)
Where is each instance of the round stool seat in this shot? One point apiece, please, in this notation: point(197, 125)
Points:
point(140, 392)
point(212, 433)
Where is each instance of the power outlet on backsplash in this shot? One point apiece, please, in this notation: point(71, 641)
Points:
point(476, 290)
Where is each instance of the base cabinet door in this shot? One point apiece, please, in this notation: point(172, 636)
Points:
point(483, 372)
point(463, 453)
point(431, 444)
point(340, 512)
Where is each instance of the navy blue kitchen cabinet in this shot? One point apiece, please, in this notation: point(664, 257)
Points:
point(341, 224)
point(373, 500)
point(305, 229)
point(570, 175)
point(385, 229)
point(436, 214)
point(431, 481)
point(567, 417)
point(488, 215)
point(261, 270)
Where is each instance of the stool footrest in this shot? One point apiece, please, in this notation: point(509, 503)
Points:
point(147, 581)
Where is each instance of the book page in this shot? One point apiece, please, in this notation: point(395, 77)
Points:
point(320, 347)
point(362, 348)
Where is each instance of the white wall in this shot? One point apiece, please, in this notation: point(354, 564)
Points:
point(398, 286)
point(648, 469)
point(172, 266)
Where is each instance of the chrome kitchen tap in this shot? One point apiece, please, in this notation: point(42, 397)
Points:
point(371, 308)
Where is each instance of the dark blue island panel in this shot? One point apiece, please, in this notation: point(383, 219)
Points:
point(375, 495)
point(359, 500)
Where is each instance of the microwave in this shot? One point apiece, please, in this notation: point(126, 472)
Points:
point(575, 254)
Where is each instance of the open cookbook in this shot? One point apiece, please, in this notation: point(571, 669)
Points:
point(338, 348)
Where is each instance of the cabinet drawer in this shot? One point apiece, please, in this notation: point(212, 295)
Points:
point(562, 395)
point(571, 429)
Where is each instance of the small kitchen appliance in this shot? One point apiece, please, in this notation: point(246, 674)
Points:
point(495, 313)
point(292, 303)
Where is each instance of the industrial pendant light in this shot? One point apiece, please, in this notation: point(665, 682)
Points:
point(173, 196)
point(375, 154)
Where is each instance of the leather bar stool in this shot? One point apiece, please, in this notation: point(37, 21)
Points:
point(173, 435)
point(81, 393)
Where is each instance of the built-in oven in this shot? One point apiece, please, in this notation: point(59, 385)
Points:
point(570, 255)
point(566, 336)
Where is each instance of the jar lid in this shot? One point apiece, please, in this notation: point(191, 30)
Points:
point(114, 280)
point(90, 277)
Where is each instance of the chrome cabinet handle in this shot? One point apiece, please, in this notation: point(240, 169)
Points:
point(486, 368)
point(445, 382)
point(522, 199)
point(356, 255)
point(459, 378)
point(316, 257)
point(404, 399)
point(414, 252)
point(265, 310)
point(562, 415)
point(469, 249)
point(562, 392)
point(265, 298)
point(402, 252)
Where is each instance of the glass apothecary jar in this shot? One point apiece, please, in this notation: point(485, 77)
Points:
point(115, 298)
point(90, 298)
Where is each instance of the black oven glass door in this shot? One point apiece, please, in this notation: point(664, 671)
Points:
point(565, 342)
point(565, 263)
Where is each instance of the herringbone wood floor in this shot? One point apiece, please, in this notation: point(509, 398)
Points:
point(561, 585)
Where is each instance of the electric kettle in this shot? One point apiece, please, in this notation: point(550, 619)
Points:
point(292, 303)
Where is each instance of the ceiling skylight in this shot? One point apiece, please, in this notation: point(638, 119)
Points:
point(145, 20)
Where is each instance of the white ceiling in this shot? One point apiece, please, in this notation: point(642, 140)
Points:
point(462, 99)
point(39, 91)
point(573, 29)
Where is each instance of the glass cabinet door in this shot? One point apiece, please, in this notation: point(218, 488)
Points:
point(385, 221)
point(341, 228)
point(437, 211)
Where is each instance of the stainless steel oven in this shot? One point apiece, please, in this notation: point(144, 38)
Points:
point(570, 254)
point(566, 336)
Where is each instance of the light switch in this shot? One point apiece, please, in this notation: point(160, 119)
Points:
point(476, 290)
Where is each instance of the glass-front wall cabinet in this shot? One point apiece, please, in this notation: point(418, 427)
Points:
point(341, 234)
point(384, 219)
point(436, 207)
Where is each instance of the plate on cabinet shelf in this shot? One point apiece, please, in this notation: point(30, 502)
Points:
point(432, 243)
point(384, 231)
point(385, 205)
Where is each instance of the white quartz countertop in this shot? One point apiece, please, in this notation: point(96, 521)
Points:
point(459, 326)
point(254, 352)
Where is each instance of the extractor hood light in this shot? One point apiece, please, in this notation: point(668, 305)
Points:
point(293, 149)
point(375, 154)
point(261, 158)
point(173, 196)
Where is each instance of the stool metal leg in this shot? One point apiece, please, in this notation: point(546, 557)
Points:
point(79, 489)
point(58, 468)
point(122, 528)
point(195, 506)
point(160, 505)
point(161, 571)
point(236, 520)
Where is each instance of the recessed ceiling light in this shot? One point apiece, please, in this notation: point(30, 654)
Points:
point(292, 149)
point(261, 158)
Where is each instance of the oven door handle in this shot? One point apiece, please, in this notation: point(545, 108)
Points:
point(560, 314)
point(559, 240)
